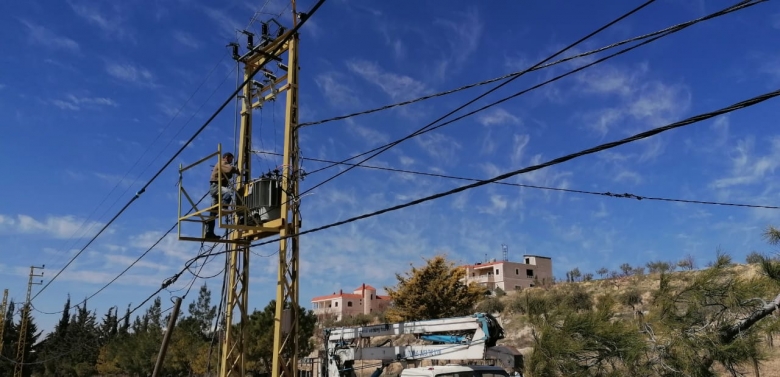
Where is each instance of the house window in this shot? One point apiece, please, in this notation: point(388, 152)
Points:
point(349, 303)
point(496, 271)
point(529, 273)
point(372, 296)
point(517, 271)
point(337, 305)
point(527, 260)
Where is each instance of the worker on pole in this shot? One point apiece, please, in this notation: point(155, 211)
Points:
point(220, 185)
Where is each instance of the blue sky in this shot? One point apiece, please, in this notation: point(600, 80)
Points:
point(89, 91)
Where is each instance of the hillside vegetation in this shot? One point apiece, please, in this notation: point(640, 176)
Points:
point(719, 320)
point(658, 324)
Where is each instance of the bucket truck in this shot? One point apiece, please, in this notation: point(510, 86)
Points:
point(465, 338)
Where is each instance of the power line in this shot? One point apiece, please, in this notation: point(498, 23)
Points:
point(148, 147)
point(291, 33)
point(128, 267)
point(559, 160)
point(669, 31)
point(423, 129)
point(576, 191)
point(489, 81)
point(82, 346)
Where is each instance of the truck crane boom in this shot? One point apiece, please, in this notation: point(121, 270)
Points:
point(471, 337)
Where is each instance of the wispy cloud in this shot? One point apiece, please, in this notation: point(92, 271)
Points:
point(115, 179)
point(441, 147)
point(130, 73)
point(111, 21)
point(335, 91)
point(72, 102)
point(227, 24)
point(463, 34)
point(52, 226)
point(748, 167)
point(186, 39)
point(45, 37)
point(371, 136)
point(498, 116)
point(396, 86)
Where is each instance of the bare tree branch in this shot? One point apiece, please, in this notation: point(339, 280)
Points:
point(728, 335)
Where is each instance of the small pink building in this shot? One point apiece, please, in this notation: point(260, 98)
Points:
point(534, 269)
point(362, 300)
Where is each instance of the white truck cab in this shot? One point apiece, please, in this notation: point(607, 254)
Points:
point(455, 370)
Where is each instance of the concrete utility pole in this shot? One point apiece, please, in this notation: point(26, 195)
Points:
point(267, 206)
point(23, 328)
point(3, 308)
point(166, 338)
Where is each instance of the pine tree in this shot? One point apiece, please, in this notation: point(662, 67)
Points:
point(433, 291)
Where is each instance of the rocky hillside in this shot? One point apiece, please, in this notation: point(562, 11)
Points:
point(635, 292)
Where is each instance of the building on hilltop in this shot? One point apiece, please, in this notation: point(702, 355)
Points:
point(535, 270)
point(338, 306)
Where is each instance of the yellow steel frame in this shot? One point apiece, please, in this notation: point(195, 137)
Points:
point(199, 214)
point(285, 343)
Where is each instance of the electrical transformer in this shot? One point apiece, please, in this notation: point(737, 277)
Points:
point(264, 200)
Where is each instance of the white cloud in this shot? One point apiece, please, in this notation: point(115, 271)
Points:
point(72, 102)
point(443, 148)
point(110, 21)
point(115, 179)
point(628, 176)
point(64, 105)
point(170, 245)
point(123, 261)
point(398, 87)
point(45, 37)
point(463, 36)
point(185, 39)
point(371, 136)
point(747, 167)
point(130, 73)
point(498, 204)
point(609, 79)
point(643, 103)
point(518, 148)
point(602, 212)
point(498, 116)
point(52, 226)
point(227, 24)
point(335, 91)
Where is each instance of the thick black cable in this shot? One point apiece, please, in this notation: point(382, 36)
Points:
point(128, 267)
point(575, 191)
point(670, 31)
point(149, 145)
point(485, 82)
point(559, 160)
point(222, 295)
point(290, 34)
point(424, 128)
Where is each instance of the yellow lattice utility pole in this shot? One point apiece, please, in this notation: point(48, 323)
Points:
point(268, 205)
point(21, 345)
point(3, 308)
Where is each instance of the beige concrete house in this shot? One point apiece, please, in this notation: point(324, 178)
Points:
point(534, 270)
point(338, 306)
